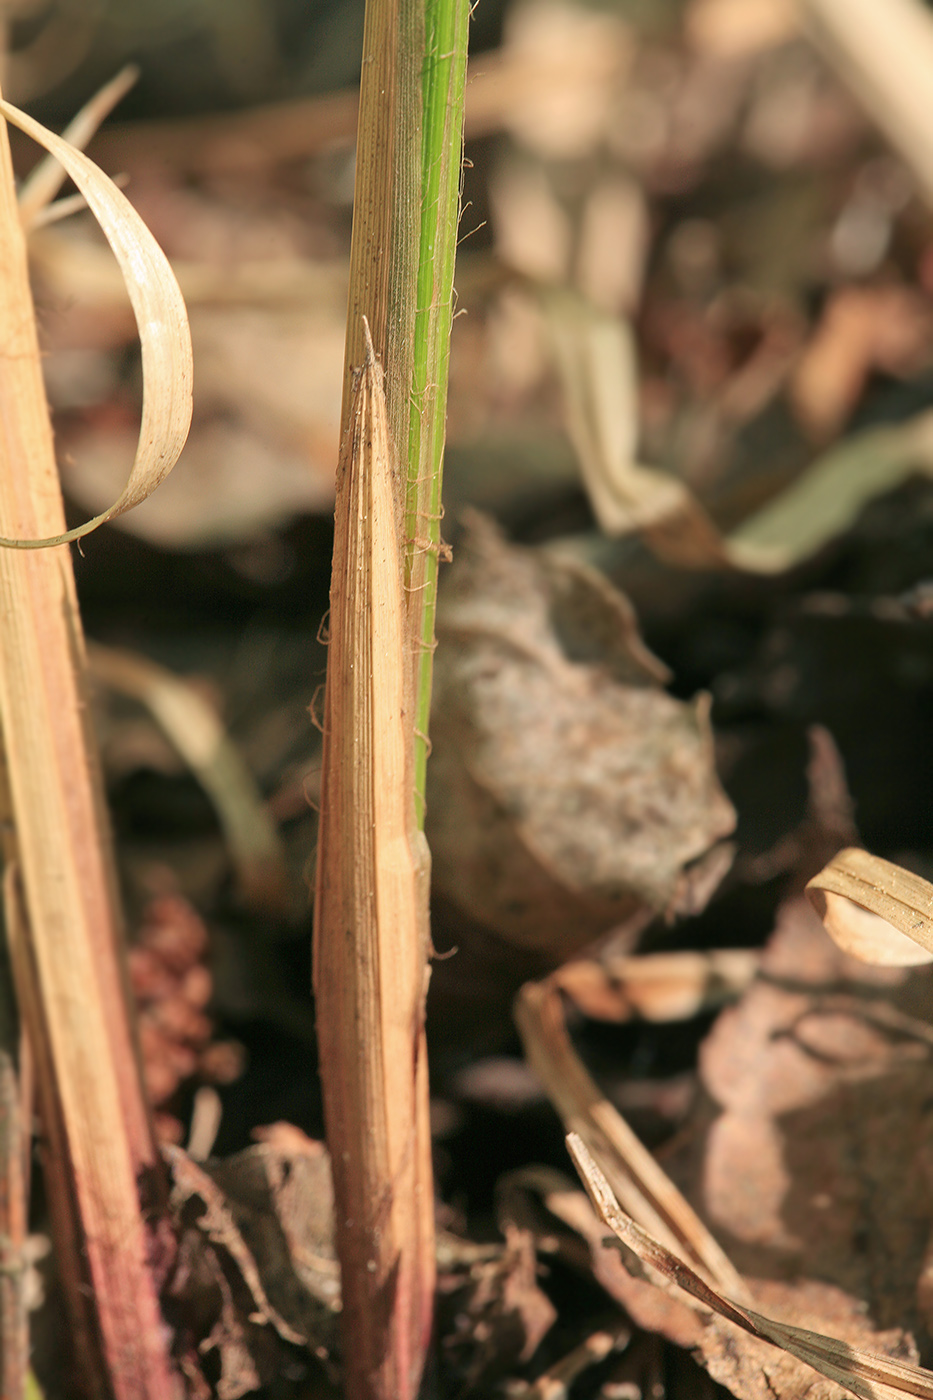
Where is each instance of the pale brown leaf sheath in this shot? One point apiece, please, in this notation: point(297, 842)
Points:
point(369, 953)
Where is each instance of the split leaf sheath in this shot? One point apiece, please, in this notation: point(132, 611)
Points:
point(370, 954)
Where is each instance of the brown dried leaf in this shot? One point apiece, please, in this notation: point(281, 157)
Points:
point(501, 1313)
point(568, 791)
point(281, 1197)
point(215, 1221)
point(817, 1160)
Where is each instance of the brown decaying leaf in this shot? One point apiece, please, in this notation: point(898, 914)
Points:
point(370, 950)
point(567, 791)
point(874, 909)
point(865, 1374)
point(812, 1152)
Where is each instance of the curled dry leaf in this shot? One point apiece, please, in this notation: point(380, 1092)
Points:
point(567, 791)
point(161, 318)
point(875, 910)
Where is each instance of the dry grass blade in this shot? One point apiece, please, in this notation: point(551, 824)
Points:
point(43, 183)
point(369, 947)
point(195, 730)
point(160, 316)
point(646, 1190)
point(596, 358)
point(863, 1373)
point(875, 910)
point(830, 495)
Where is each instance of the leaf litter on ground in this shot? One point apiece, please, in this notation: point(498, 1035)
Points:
point(672, 158)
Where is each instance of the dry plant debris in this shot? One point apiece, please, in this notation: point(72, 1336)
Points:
point(568, 792)
point(703, 292)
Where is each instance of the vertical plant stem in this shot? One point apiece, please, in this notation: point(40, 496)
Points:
point(77, 986)
point(444, 79)
point(386, 207)
point(371, 908)
point(369, 961)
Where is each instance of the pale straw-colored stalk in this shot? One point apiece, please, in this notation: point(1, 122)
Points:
point(371, 917)
point(63, 919)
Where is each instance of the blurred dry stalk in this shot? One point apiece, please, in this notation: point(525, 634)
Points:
point(194, 728)
point(884, 51)
point(640, 1183)
point(69, 975)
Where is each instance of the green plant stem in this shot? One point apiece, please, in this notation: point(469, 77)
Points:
point(446, 24)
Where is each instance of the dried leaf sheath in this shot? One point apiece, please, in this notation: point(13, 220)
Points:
point(370, 956)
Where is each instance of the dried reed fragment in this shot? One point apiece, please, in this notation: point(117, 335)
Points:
point(370, 950)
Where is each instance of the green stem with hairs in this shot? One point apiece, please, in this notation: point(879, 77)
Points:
point(446, 23)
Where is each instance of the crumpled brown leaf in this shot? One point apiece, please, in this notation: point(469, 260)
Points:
point(255, 1267)
point(501, 1313)
point(568, 790)
point(817, 1153)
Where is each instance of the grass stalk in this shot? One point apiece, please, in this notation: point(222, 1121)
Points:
point(371, 913)
point(68, 967)
point(444, 80)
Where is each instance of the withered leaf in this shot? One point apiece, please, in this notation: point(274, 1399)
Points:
point(567, 790)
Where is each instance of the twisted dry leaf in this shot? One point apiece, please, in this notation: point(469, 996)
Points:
point(875, 910)
point(161, 318)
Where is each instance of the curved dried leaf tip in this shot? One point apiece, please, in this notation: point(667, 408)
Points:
point(875, 910)
point(160, 316)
